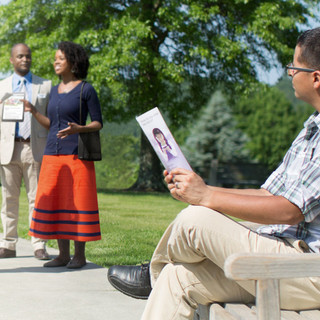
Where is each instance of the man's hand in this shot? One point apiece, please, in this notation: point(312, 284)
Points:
point(186, 186)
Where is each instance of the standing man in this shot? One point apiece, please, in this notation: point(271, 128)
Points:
point(21, 149)
point(187, 266)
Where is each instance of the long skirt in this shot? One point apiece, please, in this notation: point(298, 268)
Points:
point(66, 205)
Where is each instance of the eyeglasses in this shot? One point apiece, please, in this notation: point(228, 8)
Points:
point(290, 69)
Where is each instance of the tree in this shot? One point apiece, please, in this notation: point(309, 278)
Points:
point(215, 136)
point(271, 122)
point(165, 53)
point(118, 168)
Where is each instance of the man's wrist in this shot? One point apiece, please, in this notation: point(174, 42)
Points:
point(207, 198)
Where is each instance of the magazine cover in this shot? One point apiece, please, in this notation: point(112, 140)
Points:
point(13, 107)
point(162, 141)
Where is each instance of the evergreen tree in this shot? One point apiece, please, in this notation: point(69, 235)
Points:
point(214, 136)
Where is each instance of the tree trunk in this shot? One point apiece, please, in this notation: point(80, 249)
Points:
point(150, 176)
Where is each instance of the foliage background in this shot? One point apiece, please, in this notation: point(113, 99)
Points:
point(146, 53)
point(271, 121)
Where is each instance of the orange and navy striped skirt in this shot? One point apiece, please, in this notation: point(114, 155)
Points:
point(66, 205)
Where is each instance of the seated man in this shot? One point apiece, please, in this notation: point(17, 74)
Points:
point(187, 266)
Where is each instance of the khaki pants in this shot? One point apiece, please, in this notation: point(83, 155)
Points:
point(187, 266)
point(21, 166)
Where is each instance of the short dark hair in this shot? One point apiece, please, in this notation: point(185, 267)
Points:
point(19, 44)
point(76, 57)
point(309, 42)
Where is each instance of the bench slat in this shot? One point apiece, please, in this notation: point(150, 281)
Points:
point(310, 314)
point(219, 313)
point(241, 311)
point(290, 315)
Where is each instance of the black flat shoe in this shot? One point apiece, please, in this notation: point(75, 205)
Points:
point(55, 263)
point(76, 264)
point(134, 281)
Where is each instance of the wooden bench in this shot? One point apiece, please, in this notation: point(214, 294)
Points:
point(267, 270)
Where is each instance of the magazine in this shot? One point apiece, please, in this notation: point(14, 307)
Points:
point(13, 107)
point(162, 141)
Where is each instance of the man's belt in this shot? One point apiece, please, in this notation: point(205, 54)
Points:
point(19, 139)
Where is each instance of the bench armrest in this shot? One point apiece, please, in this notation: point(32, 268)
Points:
point(256, 266)
point(267, 270)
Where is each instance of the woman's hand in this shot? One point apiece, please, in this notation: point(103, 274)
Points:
point(187, 186)
point(28, 107)
point(42, 119)
point(71, 129)
point(76, 128)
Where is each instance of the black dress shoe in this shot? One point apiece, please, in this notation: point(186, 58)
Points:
point(41, 254)
point(7, 253)
point(133, 281)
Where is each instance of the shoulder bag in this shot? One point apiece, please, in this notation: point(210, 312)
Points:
point(89, 147)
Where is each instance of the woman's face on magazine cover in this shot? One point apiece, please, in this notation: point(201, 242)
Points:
point(160, 138)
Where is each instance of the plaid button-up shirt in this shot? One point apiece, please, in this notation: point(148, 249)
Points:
point(298, 180)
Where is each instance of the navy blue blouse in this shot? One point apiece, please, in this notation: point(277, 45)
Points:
point(64, 108)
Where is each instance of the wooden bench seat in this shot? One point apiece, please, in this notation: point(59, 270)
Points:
point(236, 311)
point(267, 270)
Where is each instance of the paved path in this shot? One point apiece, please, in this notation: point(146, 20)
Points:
point(30, 292)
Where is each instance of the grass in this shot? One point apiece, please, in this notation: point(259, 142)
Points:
point(131, 225)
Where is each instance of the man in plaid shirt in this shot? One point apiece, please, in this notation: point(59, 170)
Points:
point(186, 267)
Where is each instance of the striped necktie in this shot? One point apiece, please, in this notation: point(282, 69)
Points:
point(24, 127)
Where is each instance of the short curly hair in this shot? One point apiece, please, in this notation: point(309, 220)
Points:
point(76, 57)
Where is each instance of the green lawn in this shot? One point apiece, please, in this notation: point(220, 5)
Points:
point(131, 226)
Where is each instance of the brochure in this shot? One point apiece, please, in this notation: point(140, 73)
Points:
point(13, 107)
point(162, 141)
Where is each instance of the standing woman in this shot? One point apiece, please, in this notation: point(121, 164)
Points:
point(66, 206)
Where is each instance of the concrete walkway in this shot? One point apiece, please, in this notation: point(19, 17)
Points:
point(29, 291)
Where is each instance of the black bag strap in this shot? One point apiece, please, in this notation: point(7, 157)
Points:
point(80, 115)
